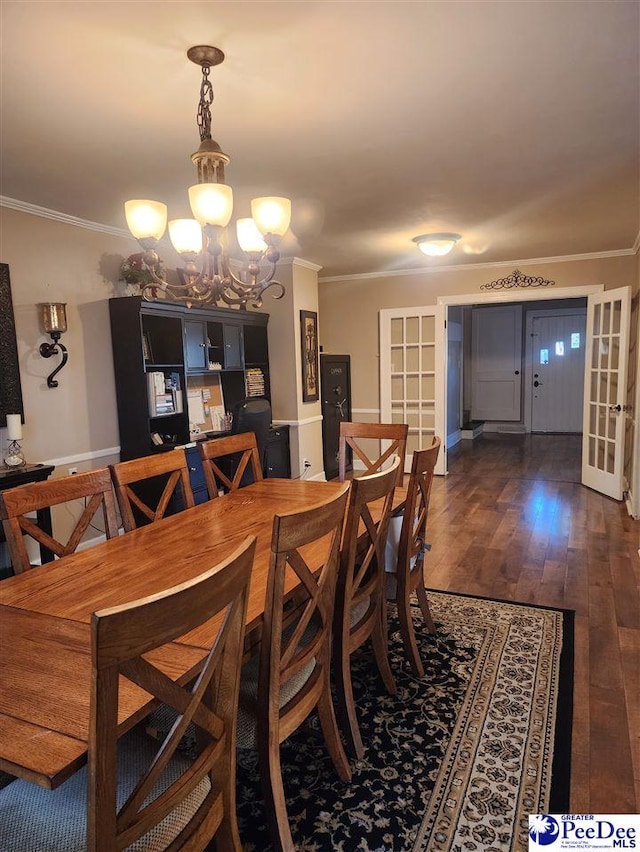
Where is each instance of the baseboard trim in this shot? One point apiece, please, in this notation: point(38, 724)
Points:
point(84, 457)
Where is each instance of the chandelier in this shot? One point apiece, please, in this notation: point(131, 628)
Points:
point(206, 276)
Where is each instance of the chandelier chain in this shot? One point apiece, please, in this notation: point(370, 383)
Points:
point(204, 105)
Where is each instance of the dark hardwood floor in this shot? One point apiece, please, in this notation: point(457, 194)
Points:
point(511, 521)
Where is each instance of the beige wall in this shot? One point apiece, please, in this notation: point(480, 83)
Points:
point(52, 261)
point(301, 283)
point(349, 309)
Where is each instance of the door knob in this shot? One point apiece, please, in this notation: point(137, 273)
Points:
point(537, 384)
point(517, 372)
point(617, 408)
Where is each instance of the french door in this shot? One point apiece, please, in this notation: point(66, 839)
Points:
point(412, 375)
point(413, 368)
point(605, 391)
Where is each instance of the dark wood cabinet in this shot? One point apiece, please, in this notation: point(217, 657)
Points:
point(12, 478)
point(162, 351)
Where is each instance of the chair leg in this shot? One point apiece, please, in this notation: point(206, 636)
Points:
point(274, 800)
point(424, 606)
point(381, 646)
point(331, 733)
point(345, 705)
point(407, 631)
point(227, 835)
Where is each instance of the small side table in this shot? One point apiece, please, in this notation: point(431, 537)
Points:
point(11, 478)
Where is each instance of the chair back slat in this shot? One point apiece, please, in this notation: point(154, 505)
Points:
point(352, 435)
point(212, 451)
point(94, 487)
point(120, 636)
point(138, 481)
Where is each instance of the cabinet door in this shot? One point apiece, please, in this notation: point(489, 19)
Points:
point(195, 335)
point(196, 475)
point(233, 347)
point(277, 458)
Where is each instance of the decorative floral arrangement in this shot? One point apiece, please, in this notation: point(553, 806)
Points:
point(133, 272)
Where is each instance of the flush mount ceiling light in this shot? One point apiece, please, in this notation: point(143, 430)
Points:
point(436, 245)
point(206, 277)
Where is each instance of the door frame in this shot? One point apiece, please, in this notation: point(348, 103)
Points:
point(528, 355)
point(497, 297)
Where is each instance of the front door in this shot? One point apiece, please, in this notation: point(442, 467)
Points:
point(557, 371)
point(335, 379)
point(605, 390)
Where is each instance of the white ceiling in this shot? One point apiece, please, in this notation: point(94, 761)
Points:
point(514, 123)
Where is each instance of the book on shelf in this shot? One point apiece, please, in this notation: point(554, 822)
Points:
point(254, 382)
point(164, 393)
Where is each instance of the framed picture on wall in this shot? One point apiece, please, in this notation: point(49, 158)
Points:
point(10, 388)
point(309, 349)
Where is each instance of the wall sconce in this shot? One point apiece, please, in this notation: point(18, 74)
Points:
point(53, 316)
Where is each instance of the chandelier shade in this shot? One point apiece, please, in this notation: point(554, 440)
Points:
point(207, 277)
point(250, 239)
point(211, 203)
point(185, 236)
point(272, 215)
point(146, 219)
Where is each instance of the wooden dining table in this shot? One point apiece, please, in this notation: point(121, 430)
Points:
point(45, 615)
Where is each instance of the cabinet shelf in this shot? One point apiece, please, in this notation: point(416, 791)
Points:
point(152, 367)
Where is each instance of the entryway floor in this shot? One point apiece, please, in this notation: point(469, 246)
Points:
point(549, 457)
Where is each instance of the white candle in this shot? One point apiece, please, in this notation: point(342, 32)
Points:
point(14, 427)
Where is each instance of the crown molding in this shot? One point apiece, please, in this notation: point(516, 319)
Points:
point(463, 267)
point(45, 213)
point(64, 218)
point(299, 261)
point(55, 215)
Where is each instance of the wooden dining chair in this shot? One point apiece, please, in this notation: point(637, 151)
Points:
point(147, 487)
point(136, 791)
point(16, 504)
point(244, 446)
point(406, 549)
point(352, 435)
point(361, 606)
point(290, 676)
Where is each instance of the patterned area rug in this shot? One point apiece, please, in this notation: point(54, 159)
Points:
point(456, 761)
